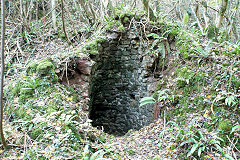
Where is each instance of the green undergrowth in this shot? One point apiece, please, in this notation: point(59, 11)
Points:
point(45, 115)
point(119, 19)
point(198, 143)
point(91, 47)
point(46, 118)
point(122, 21)
point(206, 81)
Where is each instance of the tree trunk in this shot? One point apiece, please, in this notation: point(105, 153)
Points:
point(86, 11)
point(2, 72)
point(206, 15)
point(63, 23)
point(21, 8)
point(222, 12)
point(54, 20)
point(44, 11)
point(197, 19)
point(149, 10)
point(233, 27)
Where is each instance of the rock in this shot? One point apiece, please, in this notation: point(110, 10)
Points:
point(112, 36)
point(84, 66)
point(57, 70)
point(125, 42)
point(44, 67)
point(132, 35)
point(85, 77)
point(32, 66)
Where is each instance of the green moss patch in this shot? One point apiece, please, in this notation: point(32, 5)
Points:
point(43, 68)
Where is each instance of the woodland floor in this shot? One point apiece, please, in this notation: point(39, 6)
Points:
point(151, 142)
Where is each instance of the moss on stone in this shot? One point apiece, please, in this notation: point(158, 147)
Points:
point(115, 24)
point(25, 93)
point(100, 40)
point(36, 133)
point(121, 28)
point(31, 67)
point(212, 32)
point(16, 89)
point(128, 14)
point(44, 67)
point(225, 126)
point(92, 47)
point(236, 83)
point(126, 19)
point(181, 82)
point(119, 19)
point(225, 64)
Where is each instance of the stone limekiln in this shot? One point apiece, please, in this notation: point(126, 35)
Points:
point(121, 76)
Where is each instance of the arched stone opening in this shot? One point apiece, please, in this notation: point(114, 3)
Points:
point(121, 76)
point(127, 68)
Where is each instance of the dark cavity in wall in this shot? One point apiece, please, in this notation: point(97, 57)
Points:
point(123, 73)
point(120, 77)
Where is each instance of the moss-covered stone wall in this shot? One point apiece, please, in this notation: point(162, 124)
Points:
point(125, 71)
point(119, 78)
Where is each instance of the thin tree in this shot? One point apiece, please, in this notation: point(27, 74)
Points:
point(149, 10)
point(63, 23)
point(2, 72)
point(221, 12)
point(54, 20)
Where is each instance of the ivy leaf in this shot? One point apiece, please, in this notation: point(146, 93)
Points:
point(173, 123)
point(185, 142)
point(235, 128)
point(154, 35)
point(194, 147)
point(200, 151)
point(98, 155)
point(230, 101)
point(186, 19)
point(146, 100)
point(218, 147)
point(168, 47)
point(161, 45)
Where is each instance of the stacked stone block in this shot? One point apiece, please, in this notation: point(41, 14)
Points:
point(119, 79)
